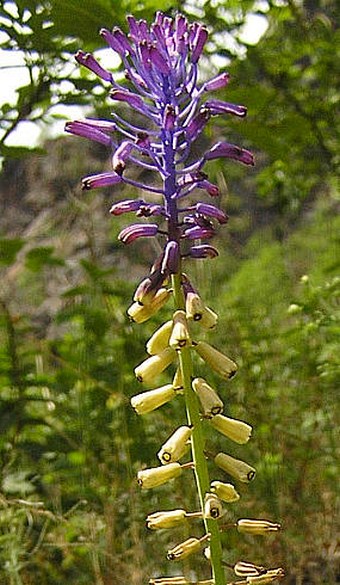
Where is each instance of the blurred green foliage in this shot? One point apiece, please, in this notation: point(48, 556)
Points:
point(70, 445)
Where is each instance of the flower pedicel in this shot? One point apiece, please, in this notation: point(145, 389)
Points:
point(173, 108)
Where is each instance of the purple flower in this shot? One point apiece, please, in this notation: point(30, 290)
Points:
point(160, 62)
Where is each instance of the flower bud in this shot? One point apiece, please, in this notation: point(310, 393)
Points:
point(212, 506)
point(217, 82)
point(225, 491)
point(210, 401)
point(236, 430)
point(257, 526)
point(168, 519)
point(219, 362)
point(126, 206)
point(176, 446)
point(154, 365)
point(236, 468)
point(186, 548)
point(226, 150)
point(203, 251)
point(155, 476)
point(268, 577)
point(160, 339)
point(149, 401)
point(171, 258)
point(245, 569)
point(180, 336)
point(137, 230)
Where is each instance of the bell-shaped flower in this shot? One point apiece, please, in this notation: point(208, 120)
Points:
point(155, 476)
point(186, 548)
point(235, 467)
point(210, 402)
point(148, 370)
point(212, 506)
point(167, 519)
point(225, 491)
point(268, 577)
point(236, 430)
point(149, 401)
point(251, 526)
point(219, 362)
point(180, 336)
point(176, 446)
point(159, 339)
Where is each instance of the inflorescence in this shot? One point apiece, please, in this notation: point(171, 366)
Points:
point(170, 110)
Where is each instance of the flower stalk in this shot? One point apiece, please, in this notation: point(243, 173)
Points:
point(161, 68)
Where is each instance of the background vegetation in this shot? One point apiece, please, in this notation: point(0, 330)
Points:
point(70, 445)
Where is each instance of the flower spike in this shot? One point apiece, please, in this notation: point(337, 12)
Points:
point(161, 84)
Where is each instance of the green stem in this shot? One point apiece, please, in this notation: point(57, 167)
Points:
point(197, 445)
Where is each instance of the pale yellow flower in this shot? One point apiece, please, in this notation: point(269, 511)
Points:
point(180, 336)
point(148, 370)
point(210, 401)
point(140, 313)
point(236, 430)
point(235, 467)
point(160, 339)
point(209, 318)
point(186, 548)
point(176, 446)
point(155, 476)
point(251, 526)
point(166, 519)
point(225, 491)
point(212, 506)
point(149, 401)
point(194, 306)
point(219, 362)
